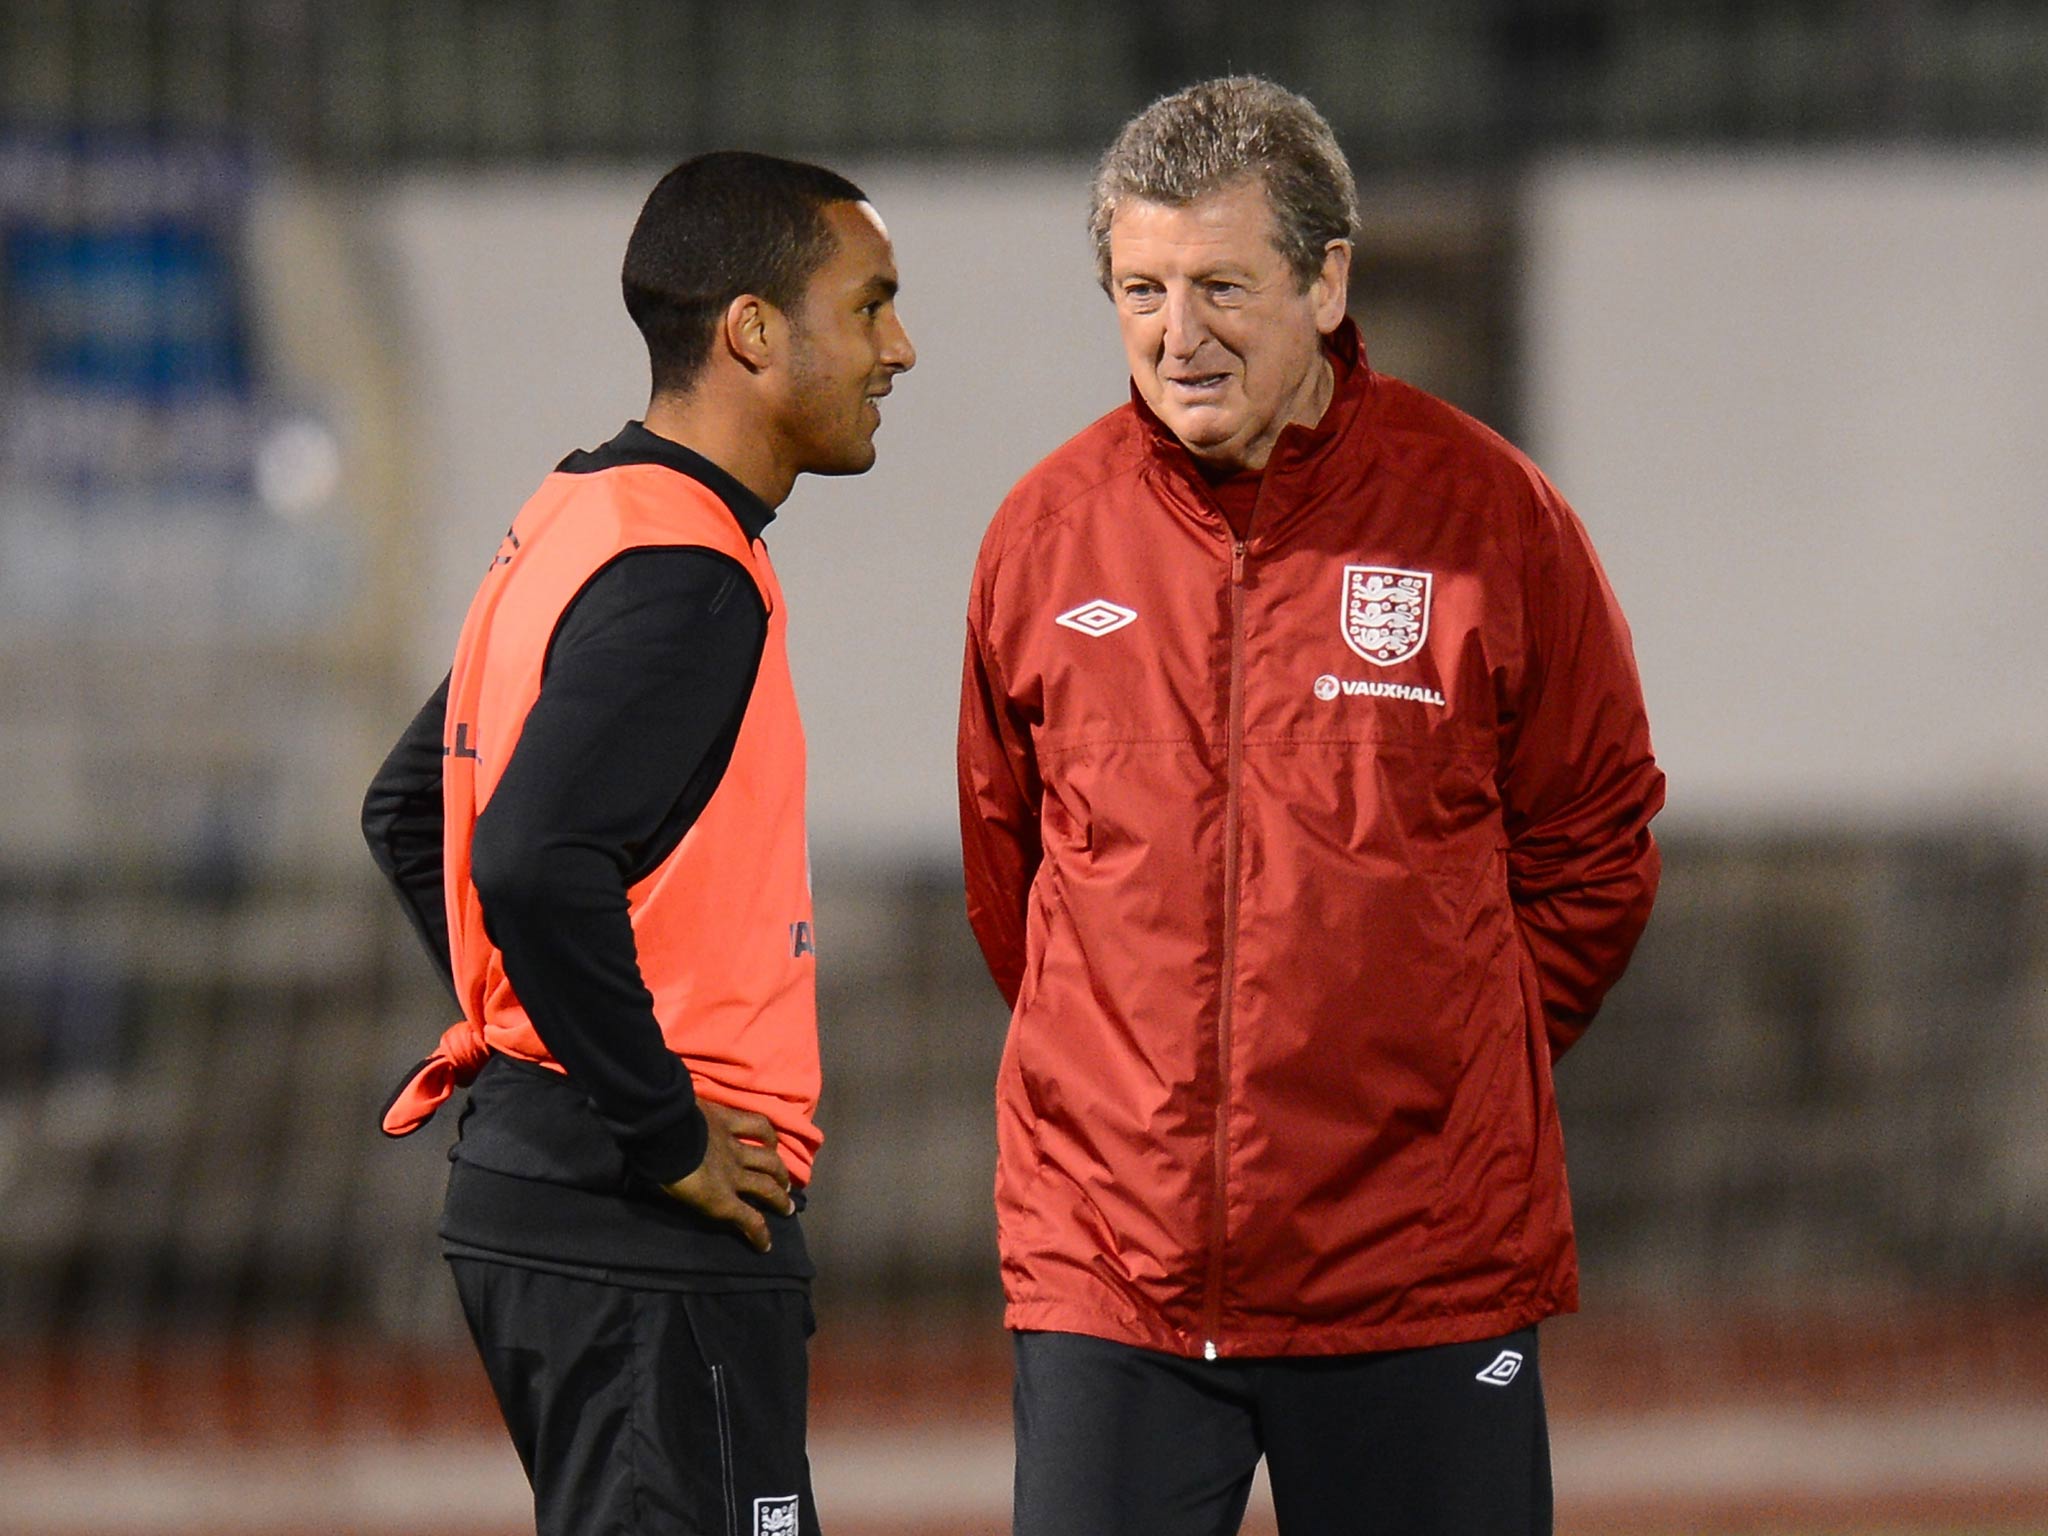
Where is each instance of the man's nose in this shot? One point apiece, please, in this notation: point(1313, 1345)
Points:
point(1184, 328)
point(898, 355)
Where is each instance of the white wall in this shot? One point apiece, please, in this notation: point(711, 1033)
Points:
point(1803, 405)
point(522, 351)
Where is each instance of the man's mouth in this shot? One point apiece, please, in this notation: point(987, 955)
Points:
point(1199, 383)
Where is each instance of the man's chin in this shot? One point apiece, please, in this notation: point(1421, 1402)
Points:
point(855, 459)
point(1201, 430)
point(1216, 449)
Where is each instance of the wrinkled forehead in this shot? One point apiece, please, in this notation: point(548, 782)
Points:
point(1237, 217)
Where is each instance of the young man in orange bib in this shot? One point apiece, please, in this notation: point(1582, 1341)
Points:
point(597, 826)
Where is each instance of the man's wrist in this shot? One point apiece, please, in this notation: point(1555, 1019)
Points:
point(675, 1152)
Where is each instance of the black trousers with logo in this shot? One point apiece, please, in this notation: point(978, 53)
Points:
point(648, 1411)
point(1446, 1441)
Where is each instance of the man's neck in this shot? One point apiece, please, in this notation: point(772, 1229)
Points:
point(1310, 401)
point(1319, 389)
point(725, 438)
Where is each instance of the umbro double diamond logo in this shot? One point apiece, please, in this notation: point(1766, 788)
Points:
point(1506, 1366)
point(1098, 618)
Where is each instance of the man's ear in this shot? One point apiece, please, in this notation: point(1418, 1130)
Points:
point(753, 331)
point(1332, 286)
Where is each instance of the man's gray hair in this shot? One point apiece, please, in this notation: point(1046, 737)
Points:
point(1216, 134)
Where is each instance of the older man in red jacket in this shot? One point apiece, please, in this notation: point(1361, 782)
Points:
point(1305, 792)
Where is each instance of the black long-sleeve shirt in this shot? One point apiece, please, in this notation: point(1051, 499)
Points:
point(645, 684)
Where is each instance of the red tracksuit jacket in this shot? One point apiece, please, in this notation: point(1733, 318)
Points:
point(1299, 859)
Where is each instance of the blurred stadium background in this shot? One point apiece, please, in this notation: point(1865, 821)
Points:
point(298, 300)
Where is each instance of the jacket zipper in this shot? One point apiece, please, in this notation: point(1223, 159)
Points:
point(1219, 1226)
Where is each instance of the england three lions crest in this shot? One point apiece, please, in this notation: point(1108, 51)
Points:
point(1385, 612)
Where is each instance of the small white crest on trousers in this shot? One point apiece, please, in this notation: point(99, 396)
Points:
point(1507, 1365)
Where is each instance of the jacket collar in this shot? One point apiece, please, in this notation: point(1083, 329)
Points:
point(634, 444)
point(1298, 451)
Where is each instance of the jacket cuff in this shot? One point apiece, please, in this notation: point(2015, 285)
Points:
point(675, 1151)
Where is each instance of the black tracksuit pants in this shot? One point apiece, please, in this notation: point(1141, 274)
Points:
point(1446, 1441)
point(639, 1411)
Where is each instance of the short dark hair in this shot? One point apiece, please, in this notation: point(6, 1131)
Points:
point(717, 226)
